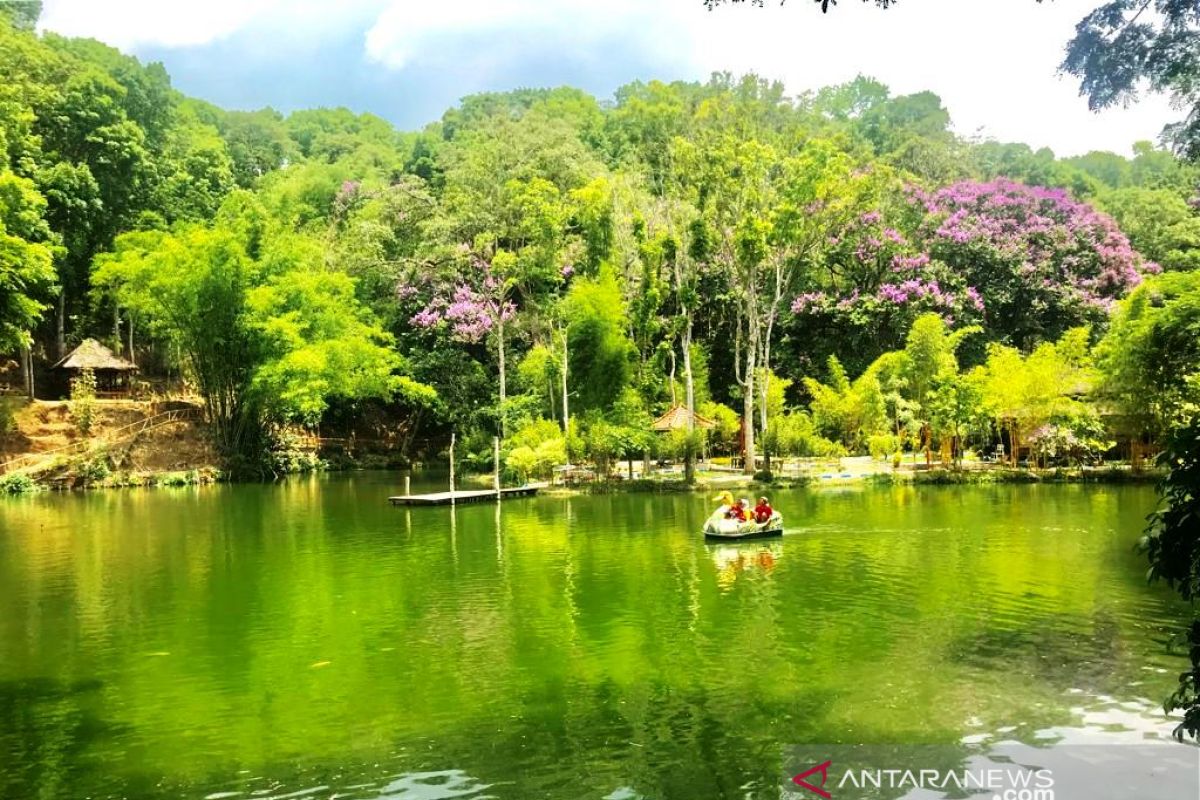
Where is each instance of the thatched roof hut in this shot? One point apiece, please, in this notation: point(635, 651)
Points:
point(111, 371)
point(94, 356)
point(677, 420)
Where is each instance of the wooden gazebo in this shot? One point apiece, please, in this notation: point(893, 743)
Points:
point(112, 372)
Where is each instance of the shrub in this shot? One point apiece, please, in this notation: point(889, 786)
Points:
point(8, 421)
point(882, 445)
point(529, 462)
point(92, 470)
point(17, 483)
point(83, 401)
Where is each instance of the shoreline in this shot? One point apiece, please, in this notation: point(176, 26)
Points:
point(20, 483)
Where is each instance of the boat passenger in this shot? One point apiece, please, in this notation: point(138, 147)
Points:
point(763, 511)
point(739, 510)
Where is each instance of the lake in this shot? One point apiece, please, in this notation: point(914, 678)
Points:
point(306, 639)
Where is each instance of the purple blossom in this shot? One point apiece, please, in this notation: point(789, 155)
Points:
point(806, 301)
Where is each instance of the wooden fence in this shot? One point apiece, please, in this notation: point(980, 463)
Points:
point(30, 461)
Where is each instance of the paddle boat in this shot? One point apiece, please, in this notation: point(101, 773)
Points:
point(720, 527)
point(730, 530)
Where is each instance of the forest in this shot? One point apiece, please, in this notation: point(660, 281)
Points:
point(825, 274)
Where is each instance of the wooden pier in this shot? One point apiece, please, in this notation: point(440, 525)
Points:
point(471, 496)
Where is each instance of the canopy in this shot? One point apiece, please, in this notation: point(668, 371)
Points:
point(677, 420)
point(92, 355)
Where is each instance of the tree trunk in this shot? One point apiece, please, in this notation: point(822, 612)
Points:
point(762, 415)
point(27, 370)
point(748, 411)
point(566, 412)
point(132, 360)
point(689, 458)
point(503, 384)
point(60, 327)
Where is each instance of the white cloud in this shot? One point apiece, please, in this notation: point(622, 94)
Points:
point(993, 63)
point(408, 31)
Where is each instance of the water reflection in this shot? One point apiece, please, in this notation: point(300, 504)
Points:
point(557, 647)
point(732, 561)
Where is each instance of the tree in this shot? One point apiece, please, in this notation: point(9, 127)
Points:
point(26, 278)
point(941, 399)
point(1118, 46)
point(601, 353)
point(1023, 393)
point(1040, 262)
point(26, 260)
point(22, 14)
point(269, 339)
point(1160, 225)
point(1150, 359)
point(1172, 545)
point(844, 411)
point(477, 310)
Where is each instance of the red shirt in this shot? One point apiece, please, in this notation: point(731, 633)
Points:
point(763, 512)
point(738, 513)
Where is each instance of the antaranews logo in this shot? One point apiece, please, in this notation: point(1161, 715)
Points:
point(1007, 783)
point(801, 780)
point(1003, 771)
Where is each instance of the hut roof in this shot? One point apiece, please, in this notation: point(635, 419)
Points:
point(90, 354)
point(677, 419)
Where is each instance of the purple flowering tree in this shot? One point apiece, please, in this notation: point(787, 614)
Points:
point(1041, 262)
point(475, 306)
point(1025, 262)
point(876, 281)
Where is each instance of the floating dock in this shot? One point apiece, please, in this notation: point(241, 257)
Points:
point(472, 496)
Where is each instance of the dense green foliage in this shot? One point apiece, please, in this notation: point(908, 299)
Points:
point(1173, 547)
point(839, 266)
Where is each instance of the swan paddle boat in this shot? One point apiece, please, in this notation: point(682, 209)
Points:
point(719, 528)
point(730, 530)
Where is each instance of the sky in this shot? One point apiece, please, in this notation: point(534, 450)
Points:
point(994, 62)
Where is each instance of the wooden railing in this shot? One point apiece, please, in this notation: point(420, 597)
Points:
point(115, 436)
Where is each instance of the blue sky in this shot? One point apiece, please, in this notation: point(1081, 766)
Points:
point(993, 61)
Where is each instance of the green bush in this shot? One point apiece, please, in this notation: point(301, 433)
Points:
point(287, 457)
point(17, 483)
point(8, 420)
point(882, 445)
point(528, 462)
point(83, 401)
point(92, 470)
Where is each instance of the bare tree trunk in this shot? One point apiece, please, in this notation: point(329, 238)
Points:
point(671, 380)
point(27, 370)
point(132, 360)
point(60, 328)
point(566, 412)
point(748, 409)
point(689, 459)
point(503, 378)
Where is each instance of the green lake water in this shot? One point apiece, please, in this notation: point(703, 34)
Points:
point(308, 640)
